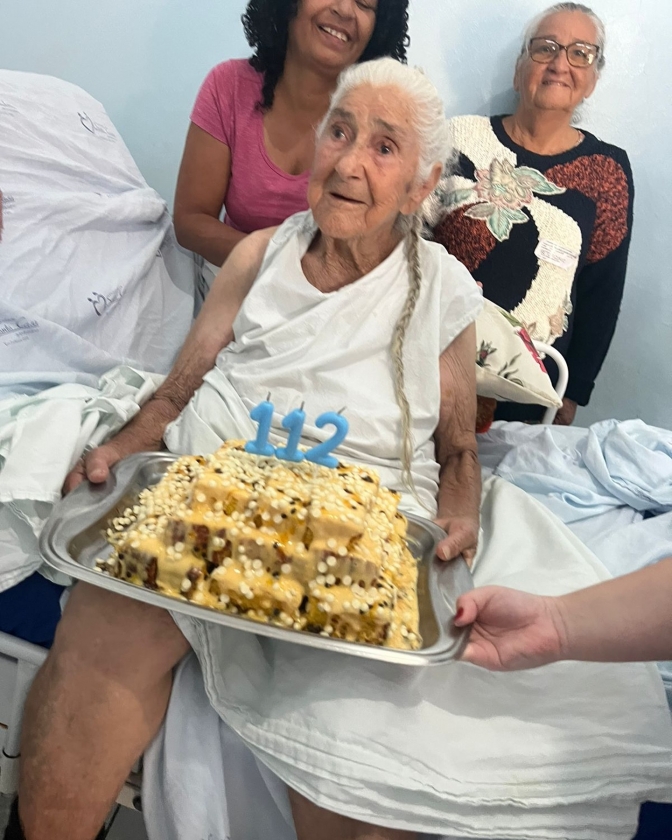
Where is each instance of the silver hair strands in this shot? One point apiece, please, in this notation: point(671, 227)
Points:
point(435, 147)
point(397, 349)
point(533, 27)
point(430, 120)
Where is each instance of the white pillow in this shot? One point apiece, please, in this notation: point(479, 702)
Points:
point(91, 274)
point(508, 367)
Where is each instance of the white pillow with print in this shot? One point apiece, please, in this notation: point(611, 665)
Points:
point(508, 367)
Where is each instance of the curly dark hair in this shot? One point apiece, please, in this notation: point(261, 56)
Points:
point(266, 25)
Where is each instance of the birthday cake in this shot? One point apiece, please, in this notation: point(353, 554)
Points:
point(299, 545)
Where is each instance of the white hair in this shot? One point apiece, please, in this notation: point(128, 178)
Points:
point(430, 120)
point(435, 148)
point(533, 27)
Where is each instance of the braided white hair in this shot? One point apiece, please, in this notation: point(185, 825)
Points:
point(397, 348)
point(435, 148)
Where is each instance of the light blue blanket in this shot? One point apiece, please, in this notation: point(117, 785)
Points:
point(610, 465)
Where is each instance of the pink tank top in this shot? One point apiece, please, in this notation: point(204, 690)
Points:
point(259, 194)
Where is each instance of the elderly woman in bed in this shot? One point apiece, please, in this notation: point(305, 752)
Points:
point(342, 305)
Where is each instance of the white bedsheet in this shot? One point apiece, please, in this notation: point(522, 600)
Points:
point(97, 297)
point(610, 484)
point(91, 274)
point(568, 750)
point(581, 473)
point(41, 438)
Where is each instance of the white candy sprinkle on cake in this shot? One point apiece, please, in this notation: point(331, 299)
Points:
point(296, 545)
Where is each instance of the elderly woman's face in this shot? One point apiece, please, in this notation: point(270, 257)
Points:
point(332, 33)
point(558, 86)
point(366, 162)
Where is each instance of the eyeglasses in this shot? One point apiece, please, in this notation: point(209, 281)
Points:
point(544, 50)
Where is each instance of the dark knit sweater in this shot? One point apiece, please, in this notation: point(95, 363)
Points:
point(573, 209)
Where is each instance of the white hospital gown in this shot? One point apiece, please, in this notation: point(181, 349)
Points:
point(331, 351)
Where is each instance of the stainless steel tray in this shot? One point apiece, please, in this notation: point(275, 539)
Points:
point(72, 541)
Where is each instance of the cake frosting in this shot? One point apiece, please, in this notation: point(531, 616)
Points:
point(294, 544)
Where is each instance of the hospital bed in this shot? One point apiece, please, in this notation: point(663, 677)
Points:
point(20, 660)
point(84, 214)
point(94, 166)
point(563, 377)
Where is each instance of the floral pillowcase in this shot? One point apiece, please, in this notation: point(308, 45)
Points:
point(508, 367)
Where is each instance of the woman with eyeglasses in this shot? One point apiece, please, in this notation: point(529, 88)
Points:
point(539, 210)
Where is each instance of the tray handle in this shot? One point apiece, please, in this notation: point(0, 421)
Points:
point(451, 579)
point(444, 597)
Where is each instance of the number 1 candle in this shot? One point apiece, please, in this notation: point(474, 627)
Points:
point(294, 423)
point(263, 415)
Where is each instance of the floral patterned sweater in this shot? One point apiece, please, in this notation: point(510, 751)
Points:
point(547, 236)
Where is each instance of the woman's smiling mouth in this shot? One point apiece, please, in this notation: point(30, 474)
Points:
point(336, 33)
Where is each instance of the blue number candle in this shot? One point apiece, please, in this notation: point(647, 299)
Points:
point(320, 454)
point(262, 414)
point(294, 422)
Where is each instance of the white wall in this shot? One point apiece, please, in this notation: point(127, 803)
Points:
point(144, 59)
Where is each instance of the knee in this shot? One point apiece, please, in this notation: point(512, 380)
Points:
point(115, 637)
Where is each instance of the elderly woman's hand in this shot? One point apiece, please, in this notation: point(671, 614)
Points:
point(510, 630)
point(459, 496)
point(462, 538)
point(95, 466)
point(143, 434)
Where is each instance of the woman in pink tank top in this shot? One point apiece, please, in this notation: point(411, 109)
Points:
point(251, 138)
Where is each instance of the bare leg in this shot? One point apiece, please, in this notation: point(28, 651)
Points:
point(96, 703)
point(313, 823)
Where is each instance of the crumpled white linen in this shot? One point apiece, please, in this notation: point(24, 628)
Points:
point(500, 445)
point(615, 464)
point(41, 438)
point(95, 290)
point(569, 750)
point(599, 481)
